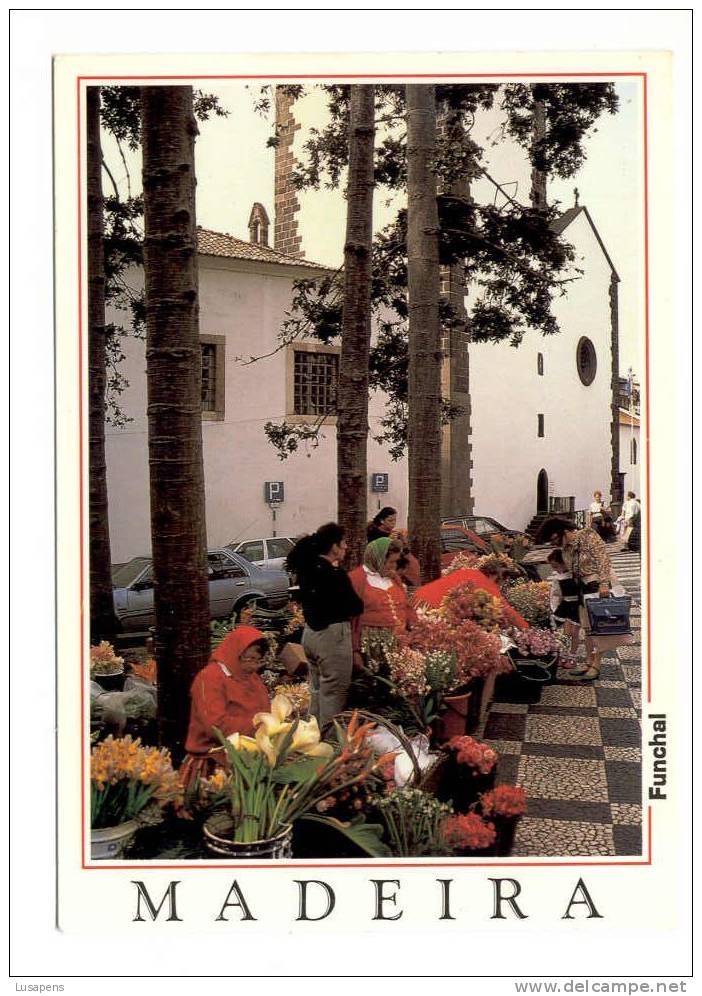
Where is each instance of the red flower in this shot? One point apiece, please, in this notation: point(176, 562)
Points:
point(505, 801)
point(473, 754)
point(468, 832)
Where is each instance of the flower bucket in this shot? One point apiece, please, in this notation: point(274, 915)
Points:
point(272, 848)
point(459, 785)
point(111, 842)
point(454, 721)
point(530, 674)
point(113, 682)
point(506, 828)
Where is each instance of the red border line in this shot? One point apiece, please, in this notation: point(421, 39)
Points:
point(81, 478)
point(363, 76)
point(375, 864)
point(648, 398)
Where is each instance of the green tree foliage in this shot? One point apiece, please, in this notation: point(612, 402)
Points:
point(513, 259)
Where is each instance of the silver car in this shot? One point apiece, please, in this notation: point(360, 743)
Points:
point(270, 551)
point(234, 583)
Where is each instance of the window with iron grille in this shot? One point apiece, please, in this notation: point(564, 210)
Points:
point(540, 426)
point(315, 378)
point(540, 364)
point(212, 347)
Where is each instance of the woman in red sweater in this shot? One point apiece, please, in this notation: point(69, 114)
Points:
point(227, 693)
point(386, 608)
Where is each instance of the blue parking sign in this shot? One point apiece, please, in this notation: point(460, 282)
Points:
point(274, 491)
point(380, 483)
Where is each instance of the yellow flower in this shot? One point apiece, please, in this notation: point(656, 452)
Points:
point(266, 745)
point(240, 742)
point(275, 721)
point(306, 740)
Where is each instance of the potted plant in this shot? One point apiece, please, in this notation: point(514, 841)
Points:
point(467, 769)
point(106, 668)
point(536, 645)
point(504, 806)
point(126, 779)
point(414, 822)
point(283, 774)
point(469, 835)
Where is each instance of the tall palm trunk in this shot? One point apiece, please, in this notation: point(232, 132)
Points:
point(174, 380)
point(424, 379)
point(102, 615)
point(352, 395)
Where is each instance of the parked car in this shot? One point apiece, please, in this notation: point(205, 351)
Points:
point(270, 551)
point(234, 582)
point(483, 525)
point(456, 539)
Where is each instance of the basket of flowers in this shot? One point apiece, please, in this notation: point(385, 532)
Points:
point(106, 667)
point(129, 784)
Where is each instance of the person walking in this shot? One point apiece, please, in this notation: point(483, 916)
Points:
point(586, 559)
point(329, 603)
point(632, 522)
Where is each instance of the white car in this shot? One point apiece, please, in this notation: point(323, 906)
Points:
point(268, 552)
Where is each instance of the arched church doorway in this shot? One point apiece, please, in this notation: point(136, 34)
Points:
point(542, 492)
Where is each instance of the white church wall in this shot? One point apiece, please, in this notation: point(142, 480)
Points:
point(246, 306)
point(630, 469)
point(507, 394)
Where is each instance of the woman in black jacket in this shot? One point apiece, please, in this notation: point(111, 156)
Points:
point(329, 603)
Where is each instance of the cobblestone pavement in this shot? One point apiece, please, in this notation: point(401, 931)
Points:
point(577, 751)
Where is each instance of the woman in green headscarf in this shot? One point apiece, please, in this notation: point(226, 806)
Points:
point(386, 607)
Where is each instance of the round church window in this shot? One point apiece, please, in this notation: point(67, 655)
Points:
point(587, 361)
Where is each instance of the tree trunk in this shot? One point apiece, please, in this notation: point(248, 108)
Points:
point(174, 381)
point(352, 395)
point(103, 623)
point(425, 355)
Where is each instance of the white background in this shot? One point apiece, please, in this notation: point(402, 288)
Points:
point(39, 952)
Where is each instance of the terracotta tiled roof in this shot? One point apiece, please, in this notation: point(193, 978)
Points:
point(221, 244)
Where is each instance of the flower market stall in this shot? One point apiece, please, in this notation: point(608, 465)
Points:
point(402, 773)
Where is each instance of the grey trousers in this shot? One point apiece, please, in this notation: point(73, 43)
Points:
point(330, 656)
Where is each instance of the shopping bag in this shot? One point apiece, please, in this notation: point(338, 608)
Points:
point(609, 616)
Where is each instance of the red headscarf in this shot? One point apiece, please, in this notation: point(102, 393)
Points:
point(227, 699)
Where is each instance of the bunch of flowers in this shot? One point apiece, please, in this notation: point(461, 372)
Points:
point(285, 772)
point(104, 660)
point(504, 801)
point(475, 755)
point(408, 671)
point(461, 561)
point(477, 652)
point(515, 545)
point(126, 777)
point(532, 600)
point(440, 669)
point(298, 695)
point(414, 821)
point(468, 832)
point(466, 601)
point(296, 620)
point(536, 642)
point(499, 561)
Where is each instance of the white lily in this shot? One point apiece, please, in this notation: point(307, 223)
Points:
point(240, 742)
point(307, 740)
point(275, 721)
point(266, 746)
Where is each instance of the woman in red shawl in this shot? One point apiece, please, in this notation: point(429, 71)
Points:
point(227, 693)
